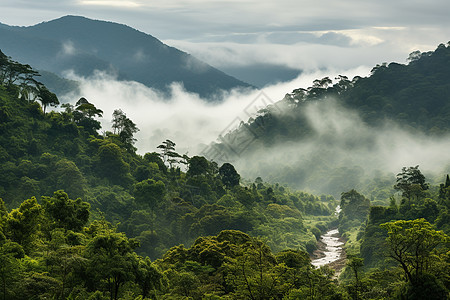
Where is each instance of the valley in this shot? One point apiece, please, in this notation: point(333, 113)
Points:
point(339, 190)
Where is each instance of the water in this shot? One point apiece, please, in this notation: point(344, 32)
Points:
point(333, 248)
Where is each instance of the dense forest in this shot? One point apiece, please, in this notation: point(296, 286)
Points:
point(83, 216)
point(319, 127)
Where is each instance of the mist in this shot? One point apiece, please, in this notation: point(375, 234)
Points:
point(340, 155)
point(344, 153)
point(183, 117)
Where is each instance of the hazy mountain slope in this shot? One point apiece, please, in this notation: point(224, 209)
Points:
point(332, 135)
point(83, 45)
point(57, 84)
point(416, 95)
point(62, 150)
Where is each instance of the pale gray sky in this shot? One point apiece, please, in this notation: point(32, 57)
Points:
point(296, 33)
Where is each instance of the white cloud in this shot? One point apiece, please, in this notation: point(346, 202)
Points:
point(341, 141)
point(323, 35)
point(183, 117)
point(139, 56)
point(342, 153)
point(312, 34)
point(193, 64)
point(68, 48)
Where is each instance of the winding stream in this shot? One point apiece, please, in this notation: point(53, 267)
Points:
point(333, 246)
point(333, 250)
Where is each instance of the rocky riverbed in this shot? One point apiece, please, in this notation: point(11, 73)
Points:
point(329, 251)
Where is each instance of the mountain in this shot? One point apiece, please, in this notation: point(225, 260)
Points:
point(84, 45)
point(327, 136)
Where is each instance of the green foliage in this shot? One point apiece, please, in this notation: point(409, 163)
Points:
point(414, 97)
point(148, 277)
point(198, 165)
point(148, 192)
point(69, 178)
point(111, 164)
point(237, 266)
point(83, 115)
point(411, 182)
point(112, 254)
point(403, 232)
point(14, 73)
point(60, 248)
point(229, 176)
point(10, 268)
point(413, 244)
point(22, 224)
point(253, 275)
point(416, 207)
point(354, 210)
point(124, 128)
point(168, 153)
point(64, 212)
point(46, 97)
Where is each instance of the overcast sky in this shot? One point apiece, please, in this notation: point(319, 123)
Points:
point(295, 33)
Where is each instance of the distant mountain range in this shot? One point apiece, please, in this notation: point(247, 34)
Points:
point(84, 45)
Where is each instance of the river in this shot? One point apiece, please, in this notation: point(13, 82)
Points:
point(331, 249)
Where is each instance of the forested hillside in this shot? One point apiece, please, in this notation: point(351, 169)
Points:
point(414, 95)
point(66, 190)
point(83, 216)
point(406, 241)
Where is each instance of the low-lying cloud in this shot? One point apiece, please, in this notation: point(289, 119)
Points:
point(340, 154)
point(185, 118)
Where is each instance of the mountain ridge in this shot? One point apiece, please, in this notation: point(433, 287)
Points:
point(84, 45)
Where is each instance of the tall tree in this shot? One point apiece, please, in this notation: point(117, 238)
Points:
point(149, 193)
point(124, 127)
point(10, 267)
point(112, 261)
point(22, 224)
point(84, 114)
point(111, 163)
point(411, 181)
point(198, 165)
point(46, 97)
point(229, 176)
point(12, 72)
point(168, 153)
point(148, 277)
point(355, 264)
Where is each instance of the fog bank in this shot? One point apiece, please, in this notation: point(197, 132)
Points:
point(185, 118)
point(341, 153)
